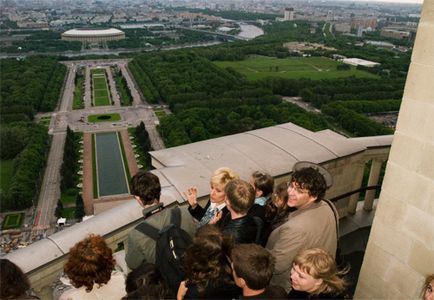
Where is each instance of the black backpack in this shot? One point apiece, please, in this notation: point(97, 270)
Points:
point(171, 243)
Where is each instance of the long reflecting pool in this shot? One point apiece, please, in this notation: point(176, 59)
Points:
point(110, 169)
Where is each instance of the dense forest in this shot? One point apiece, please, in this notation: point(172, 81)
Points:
point(27, 144)
point(208, 101)
point(41, 41)
point(28, 86)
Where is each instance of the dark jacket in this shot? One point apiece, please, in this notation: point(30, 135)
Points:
point(271, 292)
point(293, 294)
point(198, 212)
point(244, 230)
point(216, 289)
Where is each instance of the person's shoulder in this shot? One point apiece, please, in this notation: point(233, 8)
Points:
point(275, 292)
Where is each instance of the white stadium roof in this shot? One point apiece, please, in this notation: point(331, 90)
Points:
point(92, 32)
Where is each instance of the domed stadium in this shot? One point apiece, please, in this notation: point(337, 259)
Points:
point(93, 35)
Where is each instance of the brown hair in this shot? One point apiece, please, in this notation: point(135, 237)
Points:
point(240, 195)
point(254, 264)
point(146, 282)
point(311, 180)
point(274, 214)
point(428, 280)
point(206, 258)
point(90, 261)
point(319, 264)
point(14, 283)
point(263, 182)
point(146, 186)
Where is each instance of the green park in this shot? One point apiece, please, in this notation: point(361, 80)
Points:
point(100, 90)
point(258, 67)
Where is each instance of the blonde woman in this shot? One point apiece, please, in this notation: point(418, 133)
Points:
point(215, 210)
point(427, 291)
point(314, 275)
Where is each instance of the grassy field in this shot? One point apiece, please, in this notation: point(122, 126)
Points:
point(160, 114)
point(100, 89)
point(68, 213)
point(98, 71)
point(45, 121)
point(104, 118)
point(258, 67)
point(6, 171)
point(13, 221)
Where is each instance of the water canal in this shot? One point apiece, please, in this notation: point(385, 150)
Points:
point(110, 167)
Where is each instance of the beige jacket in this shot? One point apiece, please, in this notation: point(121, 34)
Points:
point(312, 227)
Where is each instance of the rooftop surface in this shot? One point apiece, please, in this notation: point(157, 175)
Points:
point(284, 145)
point(92, 32)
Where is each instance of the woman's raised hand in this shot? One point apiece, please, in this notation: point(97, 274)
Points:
point(191, 196)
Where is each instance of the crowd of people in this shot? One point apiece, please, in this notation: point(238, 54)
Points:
point(252, 240)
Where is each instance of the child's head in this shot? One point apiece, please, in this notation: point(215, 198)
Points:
point(240, 196)
point(252, 266)
point(263, 184)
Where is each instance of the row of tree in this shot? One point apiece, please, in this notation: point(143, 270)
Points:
point(27, 171)
point(70, 164)
point(143, 140)
point(122, 87)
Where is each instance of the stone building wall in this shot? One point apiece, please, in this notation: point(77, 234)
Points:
point(400, 250)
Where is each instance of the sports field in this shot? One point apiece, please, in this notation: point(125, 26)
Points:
point(100, 89)
point(258, 67)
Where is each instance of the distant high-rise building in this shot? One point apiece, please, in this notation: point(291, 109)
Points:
point(359, 31)
point(288, 14)
point(329, 15)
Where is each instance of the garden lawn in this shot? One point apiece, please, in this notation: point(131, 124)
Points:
point(100, 89)
point(68, 213)
point(13, 221)
point(258, 67)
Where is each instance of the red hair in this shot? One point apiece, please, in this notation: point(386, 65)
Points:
point(90, 261)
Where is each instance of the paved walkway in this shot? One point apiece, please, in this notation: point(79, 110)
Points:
point(87, 174)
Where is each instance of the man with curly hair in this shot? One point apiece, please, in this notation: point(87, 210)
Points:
point(311, 225)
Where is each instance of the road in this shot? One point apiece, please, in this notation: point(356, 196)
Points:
point(50, 189)
point(148, 115)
